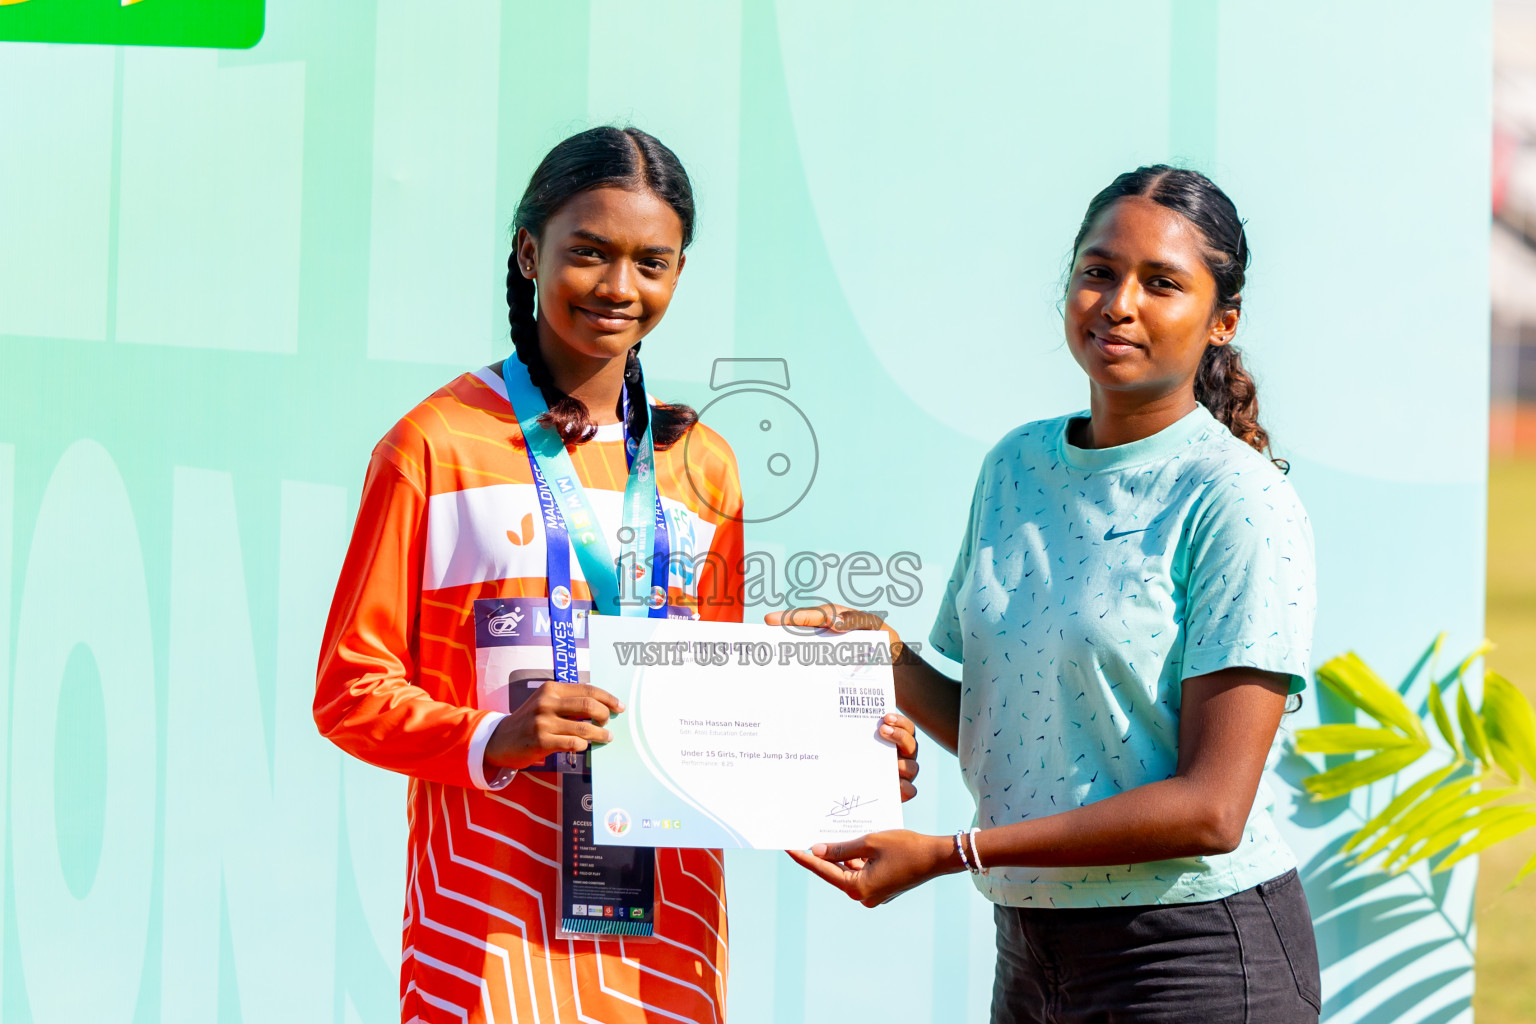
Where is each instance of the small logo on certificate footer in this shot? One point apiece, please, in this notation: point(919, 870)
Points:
point(560, 598)
point(617, 821)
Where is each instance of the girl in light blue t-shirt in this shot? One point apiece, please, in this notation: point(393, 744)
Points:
point(1132, 607)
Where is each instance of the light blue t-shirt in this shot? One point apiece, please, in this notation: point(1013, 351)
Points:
point(1090, 584)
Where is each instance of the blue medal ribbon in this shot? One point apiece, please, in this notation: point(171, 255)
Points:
point(611, 581)
point(570, 523)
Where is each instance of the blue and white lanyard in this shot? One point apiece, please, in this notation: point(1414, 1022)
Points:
point(567, 503)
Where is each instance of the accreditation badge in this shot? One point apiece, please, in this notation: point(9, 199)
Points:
point(513, 658)
point(604, 890)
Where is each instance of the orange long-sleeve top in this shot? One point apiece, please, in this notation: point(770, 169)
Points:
point(448, 517)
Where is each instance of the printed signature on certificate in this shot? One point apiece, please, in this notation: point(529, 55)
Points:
point(843, 807)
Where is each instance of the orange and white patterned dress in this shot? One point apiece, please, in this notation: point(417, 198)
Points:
point(449, 516)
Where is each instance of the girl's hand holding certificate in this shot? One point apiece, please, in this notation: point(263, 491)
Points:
point(895, 727)
point(557, 718)
point(881, 866)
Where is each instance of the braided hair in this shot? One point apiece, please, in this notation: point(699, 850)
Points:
point(1222, 383)
point(605, 157)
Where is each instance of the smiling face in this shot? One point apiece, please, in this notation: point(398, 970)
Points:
point(606, 264)
point(1140, 306)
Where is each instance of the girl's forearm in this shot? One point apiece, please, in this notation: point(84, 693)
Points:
point(1177, 817)
point(930, 698)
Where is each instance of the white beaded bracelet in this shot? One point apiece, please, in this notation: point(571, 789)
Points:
point(960, 849)
point(976, 854)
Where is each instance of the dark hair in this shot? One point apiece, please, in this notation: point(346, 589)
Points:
point(606, 157)
point(1222, 384)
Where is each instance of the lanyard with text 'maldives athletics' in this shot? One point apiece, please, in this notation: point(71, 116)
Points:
point(621, 881)
point(569, 522)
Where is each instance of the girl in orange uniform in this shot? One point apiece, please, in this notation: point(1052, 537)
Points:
point(447, 582)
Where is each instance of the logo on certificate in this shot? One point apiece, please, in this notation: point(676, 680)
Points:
point(617, 821)
point(560, 597)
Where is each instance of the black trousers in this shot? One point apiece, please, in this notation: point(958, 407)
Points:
point(1248, 959)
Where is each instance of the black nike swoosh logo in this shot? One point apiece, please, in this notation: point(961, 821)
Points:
point(1110, 533)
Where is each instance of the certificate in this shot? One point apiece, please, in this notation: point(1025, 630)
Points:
point(741, 735)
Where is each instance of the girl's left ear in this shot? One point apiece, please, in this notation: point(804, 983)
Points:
point(1224, 328)
point(527, 253)
point(682, 261)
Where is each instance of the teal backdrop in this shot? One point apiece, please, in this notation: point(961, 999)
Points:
point(224, 274)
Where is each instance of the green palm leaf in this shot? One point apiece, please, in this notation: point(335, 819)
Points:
point(1418, 814)
point(1487, 837)
point(1399, 804)
point(1508, 717)
point(1348, 739)
point(1442, 719)
point(1466, 663)
point(1444, 816)
point(1430, 657)
point(1530, 866)
point(1335, 782)
point(1503, 756)
point(1454, 832)
point(1354, 680)
point(1472, 727)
